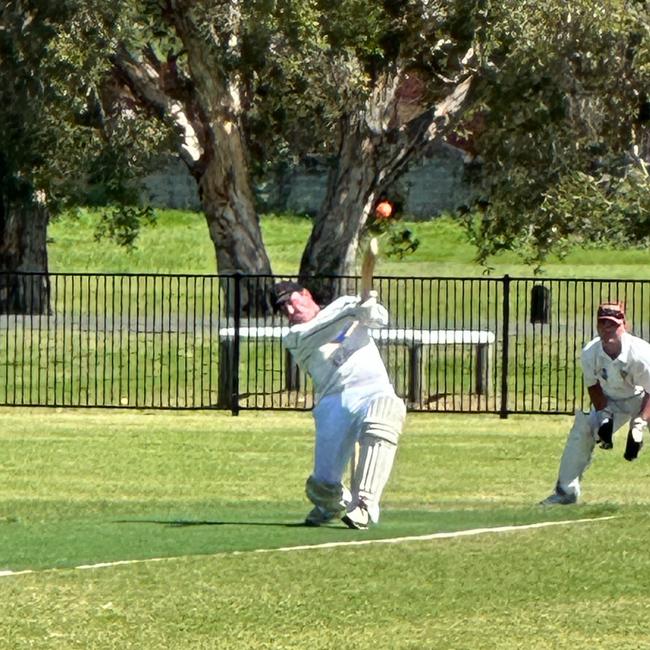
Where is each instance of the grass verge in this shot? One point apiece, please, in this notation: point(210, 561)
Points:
point(80, 487)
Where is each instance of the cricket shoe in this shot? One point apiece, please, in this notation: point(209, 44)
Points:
point(317, 516)
point(560, 498)
point(358, 518)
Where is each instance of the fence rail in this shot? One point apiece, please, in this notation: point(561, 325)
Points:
point(473, 345)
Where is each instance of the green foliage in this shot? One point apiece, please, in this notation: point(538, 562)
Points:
point(121, 144)
point(27, 100)
point(307, 78)
point(330, 62)
point(397, 240)
point(598, 210)
point(560, 135)
point(560, 94)
point(58, 141)
point(122, 224)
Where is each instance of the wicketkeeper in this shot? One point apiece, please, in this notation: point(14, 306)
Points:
point(616, 368)
point(354, 401)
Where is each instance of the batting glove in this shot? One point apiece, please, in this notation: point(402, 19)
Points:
point(371, 313)
point(372, 298)
point(635, 435)
point(605, 429)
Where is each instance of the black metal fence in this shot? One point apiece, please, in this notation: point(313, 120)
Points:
point(473, 345)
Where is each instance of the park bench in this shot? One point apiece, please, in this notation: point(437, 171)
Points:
point(413, 339)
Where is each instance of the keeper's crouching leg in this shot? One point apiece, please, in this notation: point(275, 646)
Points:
point(378, 439)
point(577, 454)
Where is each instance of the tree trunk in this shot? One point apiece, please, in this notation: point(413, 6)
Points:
point(205, 109)
point(234, 228)
point(353, 188)
point(376, 149)
point(213, 102)
point(24, 281)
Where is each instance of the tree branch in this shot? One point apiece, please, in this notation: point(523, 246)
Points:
point(162, 90)
point(142, 80)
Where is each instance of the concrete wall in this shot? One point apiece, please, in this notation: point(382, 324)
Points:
point(171, 187)
point(437, 184)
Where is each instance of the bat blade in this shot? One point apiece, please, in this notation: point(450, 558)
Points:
point(367, 275)
point(368, 267)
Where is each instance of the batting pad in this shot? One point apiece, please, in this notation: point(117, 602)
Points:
point(377, 446)
point(330, 497)
point(384, 419)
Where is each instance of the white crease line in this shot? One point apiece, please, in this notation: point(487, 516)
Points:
point(308, 547)
point(425, 538)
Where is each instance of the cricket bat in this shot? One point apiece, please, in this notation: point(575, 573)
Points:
point(368, 268)
point(367, 277)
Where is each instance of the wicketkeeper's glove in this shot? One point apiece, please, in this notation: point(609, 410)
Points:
point(605, 429)
point(634, 443)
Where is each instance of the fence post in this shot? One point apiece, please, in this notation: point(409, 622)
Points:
point(234, 391)
point(503, 414)
point(415, 374)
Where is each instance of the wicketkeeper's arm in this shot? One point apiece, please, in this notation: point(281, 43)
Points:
point(638, 429)
point(605, 417)
point(597, 396)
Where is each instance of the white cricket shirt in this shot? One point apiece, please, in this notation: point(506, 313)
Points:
point(620, 378)
point(335, 347)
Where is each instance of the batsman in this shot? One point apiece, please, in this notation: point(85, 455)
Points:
point(354, 399)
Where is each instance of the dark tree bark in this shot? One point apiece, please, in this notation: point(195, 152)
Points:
point(24, 283)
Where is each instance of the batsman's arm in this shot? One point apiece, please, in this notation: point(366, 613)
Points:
point(326, 325)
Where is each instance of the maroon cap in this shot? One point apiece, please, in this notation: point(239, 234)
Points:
point(614, 311)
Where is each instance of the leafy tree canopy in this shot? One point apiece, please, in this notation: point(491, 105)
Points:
point(558, 111)
point(58, 146)
point(563, 127)
point(559, 118)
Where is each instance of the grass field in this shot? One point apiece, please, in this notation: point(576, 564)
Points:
point(179, 243)
point(149, 530)
point(204, 492)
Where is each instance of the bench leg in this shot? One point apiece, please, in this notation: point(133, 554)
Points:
point(292, 372)
point(415, 375)
point(226, 373)
point(482, 369)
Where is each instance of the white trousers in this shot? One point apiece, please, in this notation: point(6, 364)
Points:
point(579, 448)
point(338, 420)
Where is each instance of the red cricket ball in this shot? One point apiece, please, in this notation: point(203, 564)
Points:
point(383, 210)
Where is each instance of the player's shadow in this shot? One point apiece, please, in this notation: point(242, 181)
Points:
point(183, 523)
